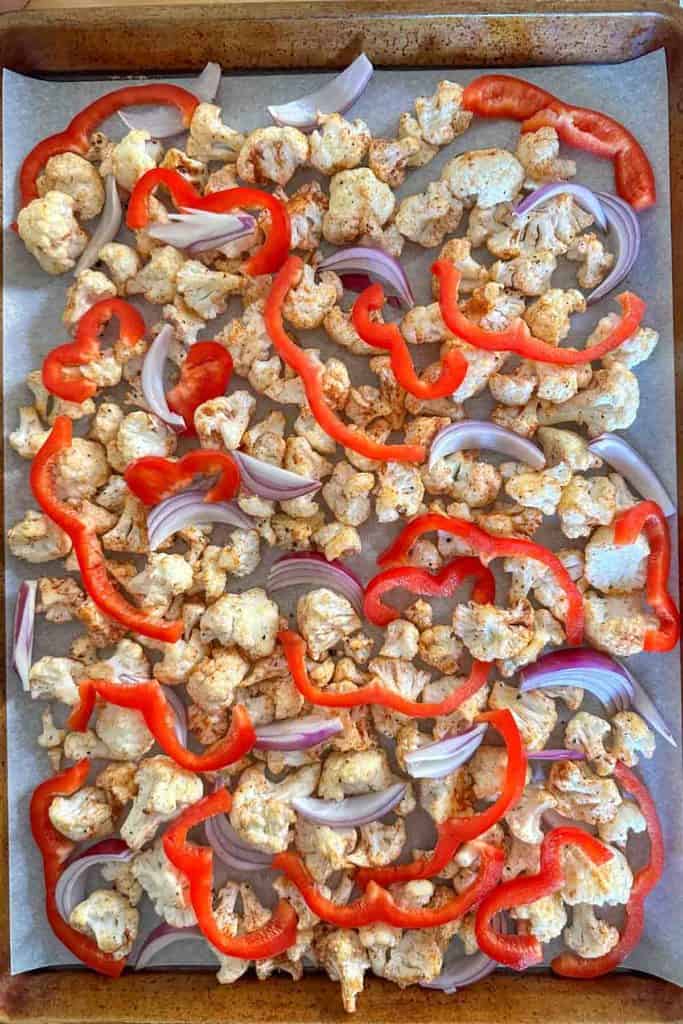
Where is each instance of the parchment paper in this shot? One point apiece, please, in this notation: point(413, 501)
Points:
point(635, 93)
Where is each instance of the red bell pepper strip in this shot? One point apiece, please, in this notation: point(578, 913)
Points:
point(196, 863)
point(389, 338)
point(76, 136)
point(418, 581)
point(148, 698)
point(378, 905)
point(74, 387)
point(518, 338)
point(647, 516)
point(55, 850)
point(153, 477)
point(204, 375)
point(265, 260)
point(374, 693)
point(310, 373)
point(487, 547)
point(571, 965)
point(86, 543)
point(504, 96)
point(522, 951)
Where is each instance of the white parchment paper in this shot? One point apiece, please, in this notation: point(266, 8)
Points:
point(635, 93)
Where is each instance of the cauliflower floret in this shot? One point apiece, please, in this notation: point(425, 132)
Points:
point(399, 491)
point(132, 157)
point(610, 403)
point(582, 795)
point(338, 144)
point(205, 291)
point(628, 818)
point(587, 935)
point(534, 712)
point(30, 435)
point(49, 230)
point(341, 954)
point(539, 154)
point(441, 117)
point(122, 263)
point(349, 774)
point(590, 252)
point(221, 422)
point(546, 917)
point(564, 446)
point(458, 251)
point(484, 177)
point(89, 287)
point(617, 624)
point(587, 733)
point(399, 675)
point(109, 919)
point(337, 540)
point(119, 872)
point(379, 844)
point(416, 958)
point(306, 208)
point(440, 648)
point(489, 632)
point(118, 782)
point(487, 769)
point(164, 578)
point(80, 470)
point(324, 618)
point(614, 568)
point(309, 300)
point(426, 218)
point(261, 810)
point(164, 790)
point(409, 128)
point(325, 850)
point(524, 820)
point(550, 228)
point(130, 531)
point(530, 274)
point(180, 659)
point(452, 795)
point(584, 882)
point(359, 202)
point(633, 738)
point(423, 325)
point(401, 640)
point(520, 859)
point(549, 316)
point(347, 494)
point(35, 538)
point(139, 434)
point(167, 888)
point(340, 329)
point(464, 478)
point(632, 352)
point(84, 815)
point(586, 503)
point(240, 557)
point(493, 308)
point(542, 489)
point(157, 280)
point(213, 682)
point(388, 158)
point(123, 731)
point(249, 619)
point(210, 139)
point(272, 154)
point(523, 420)
point(74, 176)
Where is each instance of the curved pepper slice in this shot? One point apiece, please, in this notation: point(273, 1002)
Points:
point(571, 965)
point(375, 693)
point(76, 136)
point(487, 547)
point(55, 850)
point(310, 373)
point(453, 832)
point(74, 387)
point(378, 905)
point(196, 863)
point(389, 338)
point(204, 375)
point(86, 543)
point(265, 260)
point(522, 951)
point(647, 516)
point(153, 477)
point(148, 698)
point(418, 581)
point(518, 338)
point(504, 96)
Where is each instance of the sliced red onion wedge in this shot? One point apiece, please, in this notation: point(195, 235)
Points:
point(583, 196)
point(352, 810)
point(622, 218)
point(297, 733)
point(159, 939)
point(477, 434)
point(180, 713)
point(333, 98)
point(163, 121)
point(152, 379)
point(270, 481)
point(313, 569)
point(560, 754)
point(377, 264)
point(359, 282)
point(435, 760)
point(199, 230)
point(23, 629)
point(619, 454)
point(107, 229)
point(613, 685)
point(231, 849)
point(466, 970)
point(189, 508)
point(70, 889)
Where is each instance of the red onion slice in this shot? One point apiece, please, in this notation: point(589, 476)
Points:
point(199, 230)
point(626, 460)
point(313, 569)
point(333, 98)
point(270, 481)
point(435, 760)
point(23, 630)
point(164, 121)
point(70, 889)
point(107, 229)
point(352, 810)
point(466, 970)
point(152, 379)
point(187, 509)
point(180, 713)
point(477, 434)
point(231, 849)
point(377, 264)
point(584, 196)
point(159, 939)
point(359, 282)
point(622, 219)
point(560, 754)
point(297, 733)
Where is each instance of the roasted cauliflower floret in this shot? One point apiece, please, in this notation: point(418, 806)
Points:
point(595, 262)
point(89, 287)
point(458, 251)
point(338, 144)
point(399, 491)
point(139, 434)
point(585, 503)
point(359, 202)
point(348, 774)
point(587, 733)
point(85, 815)
point(610, 403)
point(584, 882)
point(221, 422)
point(441, 117)
point(80, 470)
point(337, 540)
point(632, 352)
point(546, 917)
point(463, 477)
point(587, 935)
point(539, 154)
point(123, 731)
point(261, 810)
point(633, 738)
point(628, 818)
point(205, 292)
point(30, 435)
point(426, 218)
point(581, 794)
point(211, 140)
point(524, 819)
point(35, 538)
point(122, 263)
point(131, 158)
point(213, 682)
point(347, 494)
point(324, 618)
point(325, 850)
point(484, 177)
point(618, 624)
point(49, 230)
point(309, 301)
point(614, 568)
point(530, 275)
point(540, 489)
point(306, 208)
point(341, 954)
point(74, 176)
point(272, 154)
point(163, 790)
point(388, 159)
point(164, 578)
point(167, 888)
point(401, 640)
point(565, 446)
point(489, 632)
point(109, 919)
point(157, 280)
point(549, 316)
point(249, 619)
point(534, 712)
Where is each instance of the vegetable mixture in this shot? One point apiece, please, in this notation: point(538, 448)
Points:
point(492, 705)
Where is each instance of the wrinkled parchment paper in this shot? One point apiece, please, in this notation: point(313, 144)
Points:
point(636, 93)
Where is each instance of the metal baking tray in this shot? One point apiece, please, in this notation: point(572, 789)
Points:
point(269, 36)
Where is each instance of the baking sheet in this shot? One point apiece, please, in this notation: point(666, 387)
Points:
point(636, 93)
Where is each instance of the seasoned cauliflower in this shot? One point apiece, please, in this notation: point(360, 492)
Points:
point(180, 659)
point(118, 782)
point(89, 287)
point(584, 882)
point(633, 738)
point(249, 619)
point(632, 352)
point(164, 578)
point(586, 502)
point(109, 919)
point(167, 888)
point(139, 434)
point(516, 387)
point(272, 154)
point(132, 157)
point(49, 230)
point(452, 795)
point(399, 675)
point(458, 251)
point(324, 618)
point(539, 154)
point(484, 177)
point(441, 117)
point(628, 818)
point(528, 274)
point(426, 218)
point(130, 531)
point(524, 819)
point(74, 176)
point(487, 769)
point(564, 446)
point(325, 850)
point(338, 144)
point(440, 648)
point(213, 682)
point(35, 538)
point(549, 316)
point(306, 208)
point(261, 811)
point(163, 790)
point(211, 140)
point(349, 774)
point(618, 624)
point(587, 935)
point(546, 917)
point(309, 300)
point(401, 640)
point(416, 958)
point(489, 632)
point(359, 202)
point(595, 262)
point(388, 159)
point(337, 540)
point(614, 568)
point(409, 128)
point(399, 491)
point(582, 795)
point(347, 494)
point(85, 815)
point(157, 280)
point(30, 435)
point(205, 292)
point(534, 712)
point(122, 263)
point(123, 731)
point(610, 403)
point(221, 422)
point(80, 470)
point(586, 732)
point(541, 489)
point(340, 953)
point(340, 329)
